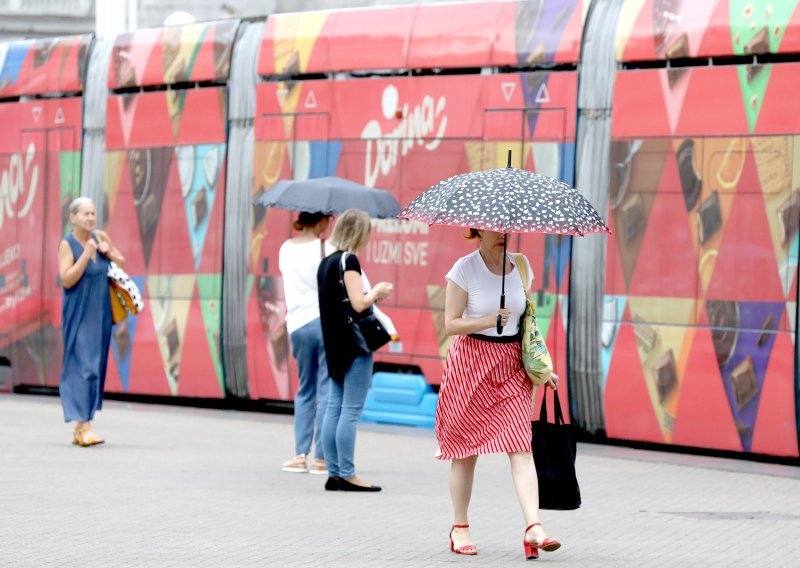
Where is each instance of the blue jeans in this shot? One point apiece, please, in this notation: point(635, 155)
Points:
point(345, 402)
point(312, 391)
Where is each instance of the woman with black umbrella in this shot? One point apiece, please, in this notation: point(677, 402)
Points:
point(485, 395)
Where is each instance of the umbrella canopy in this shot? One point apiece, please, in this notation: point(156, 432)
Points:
point(506, 200)
point(329, 195)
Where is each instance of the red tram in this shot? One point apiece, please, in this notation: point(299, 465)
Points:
point(174, 131)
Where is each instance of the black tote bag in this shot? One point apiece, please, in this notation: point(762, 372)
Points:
point(554, 455)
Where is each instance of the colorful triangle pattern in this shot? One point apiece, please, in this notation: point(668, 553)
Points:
point(123, 338)
point(170, 301)
point(199, 171)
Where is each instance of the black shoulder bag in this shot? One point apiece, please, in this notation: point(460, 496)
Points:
point(368, 332)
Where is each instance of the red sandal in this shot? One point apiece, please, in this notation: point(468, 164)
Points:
point(532, 548)
point(467, 550)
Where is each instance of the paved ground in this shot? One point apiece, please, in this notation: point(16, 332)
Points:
point(187, 487)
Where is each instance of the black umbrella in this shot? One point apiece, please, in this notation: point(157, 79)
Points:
point(506, 200)
point(329, 195)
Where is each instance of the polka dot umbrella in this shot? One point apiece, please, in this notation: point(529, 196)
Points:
point(506, 200)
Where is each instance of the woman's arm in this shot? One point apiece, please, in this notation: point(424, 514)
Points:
point(69, 270)
point(358, 299)
point(455, 301)
point(109, 250)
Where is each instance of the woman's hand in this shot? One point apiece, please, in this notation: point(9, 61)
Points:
point(552, 381)
point(503, 314)
point(90, 248)
point(107, 247)
point(382, 290)
point(360, 301)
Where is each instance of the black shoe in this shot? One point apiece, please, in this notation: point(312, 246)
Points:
point(333, 484)
point(345, 485)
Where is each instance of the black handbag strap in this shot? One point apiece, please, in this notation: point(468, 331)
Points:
point(352, 314)
point(342, 260)
point(557, 409)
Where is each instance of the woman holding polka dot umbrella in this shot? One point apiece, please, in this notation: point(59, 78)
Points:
point(485, 394)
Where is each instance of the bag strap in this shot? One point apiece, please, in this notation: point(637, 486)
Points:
point(342, 261)
point(522, 269)
point(322, 249)
point(557, 408)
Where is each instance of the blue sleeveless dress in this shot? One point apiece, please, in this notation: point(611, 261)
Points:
point(86, 329)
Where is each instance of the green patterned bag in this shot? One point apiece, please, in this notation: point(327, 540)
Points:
point(535, 356)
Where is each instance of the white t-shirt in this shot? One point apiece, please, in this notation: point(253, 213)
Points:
point(483, 290)
point(298, 264)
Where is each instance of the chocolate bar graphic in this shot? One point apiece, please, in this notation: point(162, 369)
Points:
point(765, 329)
point(678, 49)
point(126, 74)
point(140, 163)
point(644, 332)
point(173, 340)
point(745, 386)
point(632, 218)
point(41, 52)
point(743, 429)
point(709, 218)
point(753, 72)
point(222, 50)
point(665, 374)
point(170, 48)
point(280, 345)
point(200, 207)
point(292, 65)
point(788, 217)
point(723, 317)
point(123, 339)
point(690, 183)
point(759, 43)
point(674, 75)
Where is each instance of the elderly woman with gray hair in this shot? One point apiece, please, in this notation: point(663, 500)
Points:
point(83, 258)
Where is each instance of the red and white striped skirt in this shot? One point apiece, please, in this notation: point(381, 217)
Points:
point(484, 400)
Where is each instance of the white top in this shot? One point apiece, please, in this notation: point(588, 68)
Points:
point(483, 288)
point(298, 264)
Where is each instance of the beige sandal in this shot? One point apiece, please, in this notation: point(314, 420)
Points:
point(318, 467)
point(84, 437)
point(297, 464)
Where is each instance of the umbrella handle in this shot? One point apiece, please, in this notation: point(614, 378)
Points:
point(499, 318)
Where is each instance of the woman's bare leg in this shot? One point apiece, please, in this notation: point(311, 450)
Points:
point(462, 474)
point(523, 472)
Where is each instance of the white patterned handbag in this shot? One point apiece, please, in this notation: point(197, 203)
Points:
point(126, 300)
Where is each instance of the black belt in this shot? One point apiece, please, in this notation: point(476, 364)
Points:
point(497, 339)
